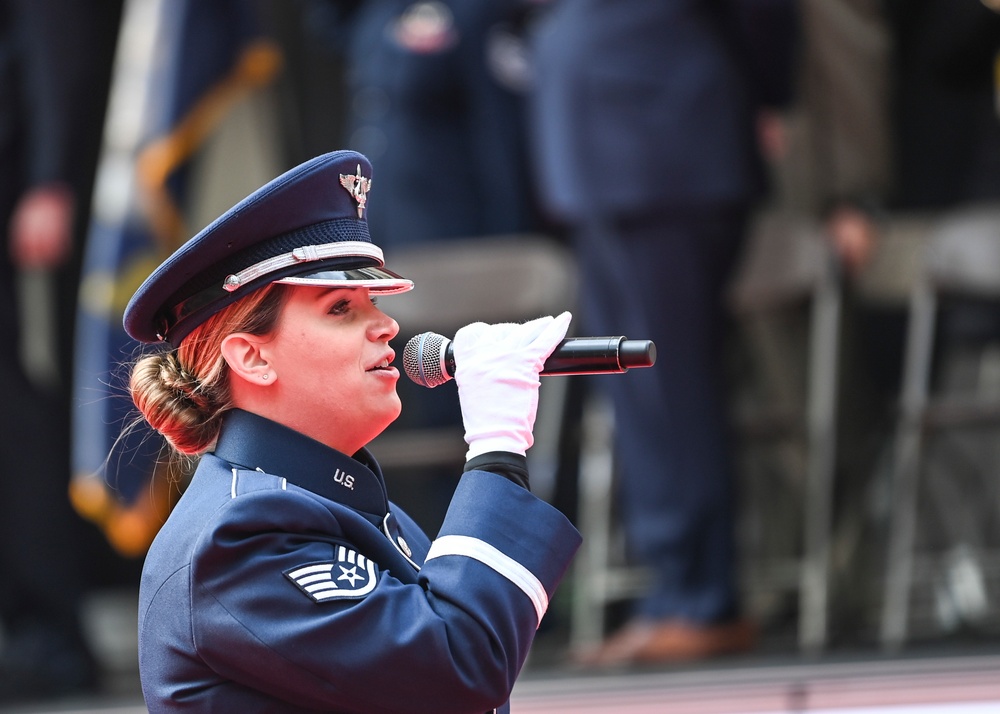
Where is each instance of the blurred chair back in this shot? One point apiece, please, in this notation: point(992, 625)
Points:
point(789, 264)
point(502, 278)
point(961, 258)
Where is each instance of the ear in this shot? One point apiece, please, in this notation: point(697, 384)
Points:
point(242, 353)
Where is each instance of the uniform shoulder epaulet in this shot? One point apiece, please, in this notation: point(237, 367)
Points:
point(248, 481)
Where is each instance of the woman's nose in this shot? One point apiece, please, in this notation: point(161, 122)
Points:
point(385, 327)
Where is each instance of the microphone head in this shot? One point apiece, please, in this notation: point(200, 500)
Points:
point(637, 353)
point(423, 359)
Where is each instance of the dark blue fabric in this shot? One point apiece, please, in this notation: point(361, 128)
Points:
point(446, 134)
point(671, 421)
point(642, 104)
point(279, 212)
point(222, 628)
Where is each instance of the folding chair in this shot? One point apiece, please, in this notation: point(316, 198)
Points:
point(790, 263)
point(961, 258)
point(602, 574)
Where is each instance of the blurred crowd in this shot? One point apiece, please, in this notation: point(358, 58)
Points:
point(666, 144)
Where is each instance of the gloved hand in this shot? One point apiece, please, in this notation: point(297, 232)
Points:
point(496, 369)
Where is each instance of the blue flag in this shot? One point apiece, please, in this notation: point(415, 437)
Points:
point(180, 66)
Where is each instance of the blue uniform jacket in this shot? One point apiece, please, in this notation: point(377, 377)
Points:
point(284, 580)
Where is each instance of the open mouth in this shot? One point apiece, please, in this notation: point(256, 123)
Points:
point(384, 364)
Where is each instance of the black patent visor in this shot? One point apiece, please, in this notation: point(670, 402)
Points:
point(377, 280)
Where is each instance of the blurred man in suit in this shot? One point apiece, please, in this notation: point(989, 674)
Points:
point(645, 121)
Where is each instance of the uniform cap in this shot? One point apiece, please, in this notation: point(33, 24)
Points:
point(306, 227)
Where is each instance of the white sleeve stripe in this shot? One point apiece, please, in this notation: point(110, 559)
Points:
point(491, 557)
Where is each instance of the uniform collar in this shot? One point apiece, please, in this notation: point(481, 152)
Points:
point(253, 442)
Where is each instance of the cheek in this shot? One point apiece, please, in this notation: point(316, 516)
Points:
point(317, 355)
point(333, 371)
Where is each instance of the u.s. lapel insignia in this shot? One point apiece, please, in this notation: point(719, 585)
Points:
point(358, 186)
point(351, 575)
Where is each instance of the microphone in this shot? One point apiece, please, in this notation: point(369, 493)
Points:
point(429, 358)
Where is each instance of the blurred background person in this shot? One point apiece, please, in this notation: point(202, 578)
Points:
point(942, 140)
point(893, 127)
point(834, 153)
point(55, 58)
point(435, 96)
point(645, 120)
point(943, 144)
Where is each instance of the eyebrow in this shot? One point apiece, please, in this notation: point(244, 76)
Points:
point(325, 292)
point(329, 294)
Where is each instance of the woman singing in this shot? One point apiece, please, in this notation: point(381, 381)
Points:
point(285, 579)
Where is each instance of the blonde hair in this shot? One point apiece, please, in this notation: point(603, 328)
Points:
point(183, 393)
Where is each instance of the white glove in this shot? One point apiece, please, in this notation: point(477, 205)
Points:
point(496, 369)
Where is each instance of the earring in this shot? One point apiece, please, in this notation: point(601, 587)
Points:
point(265, 377)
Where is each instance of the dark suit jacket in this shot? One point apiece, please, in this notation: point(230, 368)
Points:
point(642, 104)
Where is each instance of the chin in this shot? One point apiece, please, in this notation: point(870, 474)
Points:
point(393, 415)
point(387, 419)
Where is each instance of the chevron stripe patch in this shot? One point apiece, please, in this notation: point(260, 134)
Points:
point(351, 575)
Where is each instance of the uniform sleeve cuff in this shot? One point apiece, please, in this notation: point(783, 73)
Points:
point(513, 467)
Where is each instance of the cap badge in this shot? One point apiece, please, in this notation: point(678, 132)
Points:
point(358, 186)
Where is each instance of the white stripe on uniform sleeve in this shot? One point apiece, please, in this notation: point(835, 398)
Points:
point(491, 557)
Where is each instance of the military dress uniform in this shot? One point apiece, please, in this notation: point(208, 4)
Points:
point(284, 578)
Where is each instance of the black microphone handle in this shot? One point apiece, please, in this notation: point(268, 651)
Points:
point(586, 355)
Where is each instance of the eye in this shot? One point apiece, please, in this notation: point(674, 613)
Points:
point(374, 300)
point(341, 307)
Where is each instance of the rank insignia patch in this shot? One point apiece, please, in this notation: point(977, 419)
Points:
point(351, 575)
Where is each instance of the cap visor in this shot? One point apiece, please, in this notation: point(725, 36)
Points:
point(377, 280)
